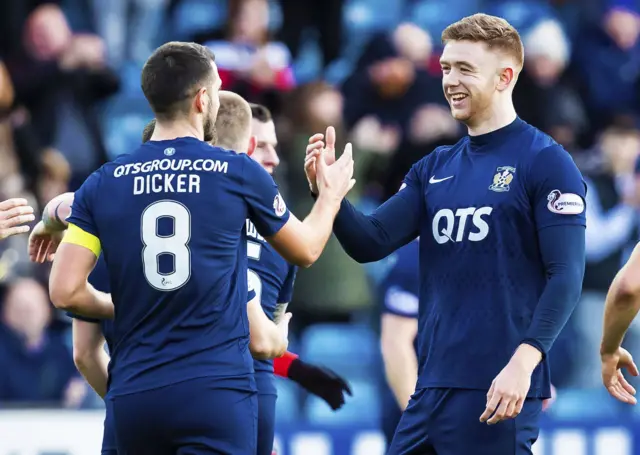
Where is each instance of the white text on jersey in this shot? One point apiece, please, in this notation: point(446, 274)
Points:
point(445, 221)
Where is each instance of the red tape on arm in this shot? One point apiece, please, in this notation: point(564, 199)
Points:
point(281, 364)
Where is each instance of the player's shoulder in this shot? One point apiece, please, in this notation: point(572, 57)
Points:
point(539, 143)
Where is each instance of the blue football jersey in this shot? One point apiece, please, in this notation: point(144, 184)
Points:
point(170, 218)
point(483, 202)
point(272, 278)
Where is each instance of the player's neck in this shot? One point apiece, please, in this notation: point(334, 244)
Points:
point(166, 131)
point(501, 115)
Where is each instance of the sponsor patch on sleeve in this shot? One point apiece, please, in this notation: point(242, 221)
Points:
point(279, 206)
point(565, 203)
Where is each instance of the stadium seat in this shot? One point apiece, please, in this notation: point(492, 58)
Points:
point(288, 405)
point(522, 14)
point(194, 16)
point(363, 408)
point(124, 119)
point(435, 15)
point(350, 350)
point(582, 404)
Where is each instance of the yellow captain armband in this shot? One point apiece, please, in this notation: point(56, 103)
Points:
point(77, 236)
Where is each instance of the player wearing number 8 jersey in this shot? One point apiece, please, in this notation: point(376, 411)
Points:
point(170, 215)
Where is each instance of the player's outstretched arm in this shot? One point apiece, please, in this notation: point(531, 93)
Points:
point(266, 339)
point(301, 243)
point(89, 355)
point(399, 355)
point(320, 381)
point(621, 308)
point(14, 214)
point(68, 286)
point(368, 238)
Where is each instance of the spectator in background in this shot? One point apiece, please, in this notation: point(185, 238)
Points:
point(58, 77)
point(612, 230)
point(607, 66)
point(394, 106)
point(325, 16)
point(39, 362)
point(249, 63)
point(309, 109)
point(544, 96)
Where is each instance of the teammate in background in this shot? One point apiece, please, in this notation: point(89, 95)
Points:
point(620, 309)
point(500, 216)
point(171, 214)
point(398, 293)
point(14, 214)
point(272, 277)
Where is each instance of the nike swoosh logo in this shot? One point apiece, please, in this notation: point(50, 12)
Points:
point(433, 179)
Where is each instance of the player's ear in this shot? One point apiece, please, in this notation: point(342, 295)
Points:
point(507, 76)
point(253, 143)
point(201, 100)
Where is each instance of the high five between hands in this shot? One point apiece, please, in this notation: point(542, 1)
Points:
point(328, 175)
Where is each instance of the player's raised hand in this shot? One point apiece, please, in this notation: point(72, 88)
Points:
point(335, 180)
point(614, 380)
point(315, 148)
point(43, 243)
point(507, 394)
point(14, 214)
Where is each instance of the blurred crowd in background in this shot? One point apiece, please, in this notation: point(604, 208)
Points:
point(70, 99)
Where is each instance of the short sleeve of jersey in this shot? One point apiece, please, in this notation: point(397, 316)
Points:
point(286, 292)
point(82, 207)
point(401, 302)
point(267, 209)
point(557, 189)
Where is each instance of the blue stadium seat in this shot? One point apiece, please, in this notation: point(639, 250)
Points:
point(194, 16)
point(288, 405)
point(522, 14)
point(351, 350)
point(435, 15)
point(363, 408)
point(124, 119)
point(582, 404)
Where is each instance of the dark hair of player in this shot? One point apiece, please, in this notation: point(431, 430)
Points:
point(147, 132)
point(260, 113)
point(233, 122)
point(173, 75)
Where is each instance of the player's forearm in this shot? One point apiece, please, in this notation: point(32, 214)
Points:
point(317, 228)
point(562, 249)
point(401, 370)
point(83, 300)
point(94, 367)
point(55, 213)
point(621, 308)
point(370, 238)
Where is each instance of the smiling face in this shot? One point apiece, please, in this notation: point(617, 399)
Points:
point(480, 63)
point(470, 78)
